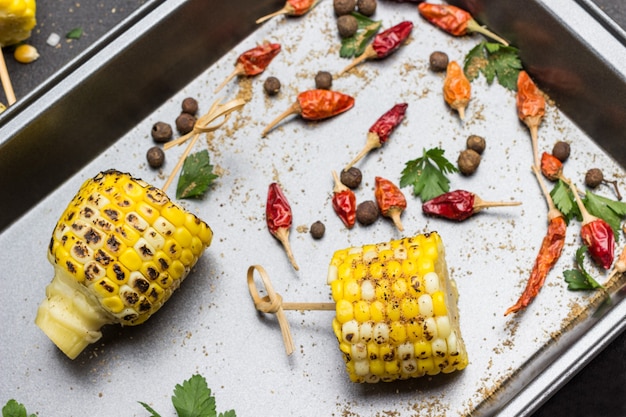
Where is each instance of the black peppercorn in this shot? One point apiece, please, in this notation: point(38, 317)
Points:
point(366, 7)
point(561, 151)
point(161, 132)
point(367, 212)
point(351, 178)
point(347, 25)
point(155, 157)
point(468, 161)
point(317, 230)
point(342, 7)
point(185, 123)
point(476, 143)
point(271, 86)
point(190, 106)
point(438, 61)
point(323, 80)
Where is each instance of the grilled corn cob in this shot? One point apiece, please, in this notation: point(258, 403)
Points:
point(17, 20)
point(119, 251)
point(396, 311)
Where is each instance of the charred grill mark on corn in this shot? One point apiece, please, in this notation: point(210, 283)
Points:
point(119, 251)
point(396, 310)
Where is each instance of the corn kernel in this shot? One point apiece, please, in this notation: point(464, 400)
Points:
point(114, 304)
point(443, 326)
point(366, 331)
point(376, 270)
point(131, 259)
point(386, 352)
point(409, 267)
point(385, 255)
point(439, 303)
point(344, 311)
point(336, 288)
point(368, 291)
point(361, 367)
point(381, 333)
point(377, 311)
point(373, 351)
point(393, 269)
point(423, 349)
point(25, 54)
point(426, 365)
point(105, 288)
point(425, 303)
point(392, 367)
point(359, 351)
point(377, 367)
point(361, 311)
point(344, 271)
point(176, 269)
point(409, 366)
point(409, 307)
point(430, 328)
point(351, 290)
point(399, 288)
point(164, 227)
point(382, 290)
point(414, 330)
point(118, 273)
point(360, 271)
point(393, 311)
point(350, 331)
point(397, 332)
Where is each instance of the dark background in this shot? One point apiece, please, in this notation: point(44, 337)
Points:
point(598, 390)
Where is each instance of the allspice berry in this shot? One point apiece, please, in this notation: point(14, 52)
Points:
point(438, 61)
point(342, 7)
point(317, 230)
point(161, 132)
point(155, 157)
point(476, 143)
point(190, 106)
point(468, 161)
point(323, 80)
point(185, 123)
point(367, 212)
point(351, 178)
point(366, 7)
point(594, 177)
point(347, 25)
point(561, 150)
point(271, 86)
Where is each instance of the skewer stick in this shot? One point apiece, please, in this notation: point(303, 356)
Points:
point(6, 81)
point(202, 125)
point(273, 303)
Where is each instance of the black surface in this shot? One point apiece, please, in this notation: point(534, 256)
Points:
point(598, 390)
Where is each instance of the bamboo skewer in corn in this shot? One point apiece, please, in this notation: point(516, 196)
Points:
point(202, 125)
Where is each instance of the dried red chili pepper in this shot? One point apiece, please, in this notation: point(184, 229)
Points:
point(384, 44)
point(379, 133)
point(549, 252)
point(457, 89)
point(344, 202)
point(279, 217)
point(291, 8)
point(531, 107)
point(596, 233)
point(551, 167)
point(253, 61)
point(316, 105)
point(459, 205)
point(391, 201)
point(454, 20)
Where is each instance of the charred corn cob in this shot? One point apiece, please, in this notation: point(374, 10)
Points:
point(396, 311)
point(17, 20)
point(119, 251)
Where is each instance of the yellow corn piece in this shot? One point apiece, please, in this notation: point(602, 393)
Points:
point(400, 319)
point(112, 263)
point(17, 20)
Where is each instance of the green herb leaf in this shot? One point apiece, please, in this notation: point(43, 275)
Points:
point(611, 211)
point(15, 409)
point(193, 398)
point(196, 176)
point(427, 174)
point(564, 200)
point(494, 60)
point(150, 410)
point(75, 33)
point(355, 45)
point(579, 279)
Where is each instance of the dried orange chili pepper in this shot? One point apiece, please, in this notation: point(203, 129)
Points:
point(391, 201)
point(278, 217)
point(549, 253)
point(531, 107)
point(379, 133)
point(457, 90)
point(253, 61)
point(454, 20)
point(384, 44)
point(291, 8)
point(460, 205)
point(596, 234)
point(344, 202)
point(551, 167)
point(316, 105)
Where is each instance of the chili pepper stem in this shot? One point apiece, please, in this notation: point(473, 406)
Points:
point(587, 217)
point(532, 122)
point(239, 70)
point(614, 183)
point(480, 204)
point(367, 54)
point(282, 234)
point(552, 210)
point(372, 142)
point(394, 214)
point(293, 109)
point(461, 111)
point(473, 26)
point(284, 10)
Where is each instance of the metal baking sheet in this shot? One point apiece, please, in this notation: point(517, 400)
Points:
point(210, 325)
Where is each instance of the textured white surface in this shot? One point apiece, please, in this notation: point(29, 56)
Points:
point(210, 325)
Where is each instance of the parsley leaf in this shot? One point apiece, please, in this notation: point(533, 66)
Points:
point(579, 279)
point(427, 174)
point(494, 60)
point(196, 176)
point(355, 45)
point(15, 409)
point(193, 398)
point(564, 200)
point(610, 211)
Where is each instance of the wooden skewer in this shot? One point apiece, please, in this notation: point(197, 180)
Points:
point(272, 303)
point(6, 81)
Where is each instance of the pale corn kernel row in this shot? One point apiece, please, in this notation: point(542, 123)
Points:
point(396, 314)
